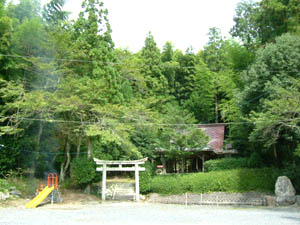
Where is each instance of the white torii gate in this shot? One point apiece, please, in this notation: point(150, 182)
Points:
point(132, 165)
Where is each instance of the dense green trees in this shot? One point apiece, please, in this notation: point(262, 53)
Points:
point(67, 93)
point(261, 22)
point(274, 76)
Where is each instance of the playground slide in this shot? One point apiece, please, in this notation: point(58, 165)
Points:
point(40, 197)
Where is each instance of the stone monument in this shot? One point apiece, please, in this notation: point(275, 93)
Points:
point(284, 191)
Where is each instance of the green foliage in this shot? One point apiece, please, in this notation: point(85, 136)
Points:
point(185, 75)
point(126, 106)
point(151, 67)
point(274, 65)
point(225, 164)
point(245, 24)
point(292, 171)
point(83, 171)
point(276, 17)
point(178, 140)
point(215, 54)
point(5, 185)
point(200, 100)
point(145, 182)
point(146, 139)
point(26, 9)
point(257, 23)
point(238, 180)
point(146, 178)
point(279, 114)
point(5, 43)
point(167, 54)
point(239, 59)
point(14, 179)
point(255, 160)
point(91, 40)
point(29, 38)
point(53, 12)
point(270, 98)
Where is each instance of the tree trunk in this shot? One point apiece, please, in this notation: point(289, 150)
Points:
point(275, 151)
point(62, 172)
point(40, 134)
point(68, 149)
point(182, 166)
point(66, 162)
point(38, 141)
point(163, 160)
point(78, 147)
point(89, 155)
point(87, 190)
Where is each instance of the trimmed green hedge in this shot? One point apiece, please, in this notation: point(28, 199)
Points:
point(239, 180)
point(226, 164)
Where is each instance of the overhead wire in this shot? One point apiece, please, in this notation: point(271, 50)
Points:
point(147, 124)
point(121, 63)
point(53, 153)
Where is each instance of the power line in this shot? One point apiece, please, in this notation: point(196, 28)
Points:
point(120, 63)
point(148, 124)
point(54, 153)
point(73, 121)
point(47, 120)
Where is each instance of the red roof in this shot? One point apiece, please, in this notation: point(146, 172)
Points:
point(216, 134)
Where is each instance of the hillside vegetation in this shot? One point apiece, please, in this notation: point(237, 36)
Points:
point(68, 95)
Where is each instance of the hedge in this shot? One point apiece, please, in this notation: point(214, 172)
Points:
point(226, 164)
point(238, 180)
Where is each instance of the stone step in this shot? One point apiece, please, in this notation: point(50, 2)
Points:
point(121, 185)
point(124, 191)
point(120, 191)
point(124, 197)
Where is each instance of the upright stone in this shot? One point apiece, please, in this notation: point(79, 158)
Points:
point(284, 191)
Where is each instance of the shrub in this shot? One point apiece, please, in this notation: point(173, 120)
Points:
point(83, 171)
point(4, 185)
point(255, 160)
point(225, 164)
point(8, 159)
point(145, 182)
point(146, 177)
point(238, 180)
point(169, 184)
point(293, 172)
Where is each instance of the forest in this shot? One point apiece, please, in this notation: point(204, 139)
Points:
point(68, 95)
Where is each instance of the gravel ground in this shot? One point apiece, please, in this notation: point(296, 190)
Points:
point(128, 213)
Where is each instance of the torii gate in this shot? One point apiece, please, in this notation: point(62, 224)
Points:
point(120, 167)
